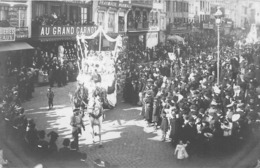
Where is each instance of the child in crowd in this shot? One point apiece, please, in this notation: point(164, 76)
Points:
point(180, 151)
point(164, 125)
point(50, 96)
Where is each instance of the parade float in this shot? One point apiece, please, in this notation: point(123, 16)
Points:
point(102, 63)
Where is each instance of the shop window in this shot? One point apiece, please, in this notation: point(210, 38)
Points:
point(22, 17)
point(111, 22)
point(84, 15)
point(40, 9)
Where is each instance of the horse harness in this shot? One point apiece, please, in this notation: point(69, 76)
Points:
point(96, 112)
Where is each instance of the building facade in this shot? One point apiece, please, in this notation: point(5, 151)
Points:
point(112, 16)
point(15, 30)
point(177, 16)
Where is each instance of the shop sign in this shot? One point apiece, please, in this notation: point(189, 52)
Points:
point(155, 28)
point(21, 32)
point(208, 26)
point(66, 31)
point(7, 34)
point(179, 29)
point(124, 5)
point(114, 4)
point(108, 3)
point(143, 3)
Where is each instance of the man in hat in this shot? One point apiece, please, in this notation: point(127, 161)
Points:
point(77, 123)
point(50, 96)
point(148, 101)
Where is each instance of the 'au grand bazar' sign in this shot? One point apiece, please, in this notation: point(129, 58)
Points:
point(65, 31)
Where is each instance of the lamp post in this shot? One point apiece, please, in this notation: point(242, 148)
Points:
point(100, 37)
point(218, 15)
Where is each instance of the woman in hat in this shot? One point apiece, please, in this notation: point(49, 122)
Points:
point(156, 111)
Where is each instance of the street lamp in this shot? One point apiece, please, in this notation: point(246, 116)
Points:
point(218, 16)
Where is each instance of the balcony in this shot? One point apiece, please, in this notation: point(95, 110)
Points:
point(137, 26)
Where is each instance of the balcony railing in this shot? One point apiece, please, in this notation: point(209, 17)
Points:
point(135, 26)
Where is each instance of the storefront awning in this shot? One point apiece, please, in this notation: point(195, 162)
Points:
point(12, 46)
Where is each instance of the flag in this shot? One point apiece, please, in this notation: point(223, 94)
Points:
point(252, 35)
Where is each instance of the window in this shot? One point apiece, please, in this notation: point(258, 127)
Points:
point(74, 14)
point(56, 9)
point(22, 17)
point(4, 12)
point(40, 9)
point(174, 6)
point(168, 6)
point(101, 18)
point(111, 22)
point(84, 15)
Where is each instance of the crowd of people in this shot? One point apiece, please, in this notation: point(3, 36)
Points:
point(58, 20)
point(183, 96)
point(56, 66)
point(25, 130)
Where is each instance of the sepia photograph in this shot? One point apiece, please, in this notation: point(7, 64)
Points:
point(129, 83)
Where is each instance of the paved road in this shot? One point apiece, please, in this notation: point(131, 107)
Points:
point(128, 143)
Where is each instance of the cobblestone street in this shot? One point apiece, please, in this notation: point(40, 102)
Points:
point(127, 142)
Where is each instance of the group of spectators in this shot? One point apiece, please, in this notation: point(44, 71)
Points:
point(57, 69)
point(56, 20)
point(183, 97)
point(23, 79)
point(24, 130)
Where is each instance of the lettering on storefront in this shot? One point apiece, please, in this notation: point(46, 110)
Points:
point(7, 34)
point(21, 32)
point(63, 31)
point(114, 4)
point(108, 3)
point(124, 5)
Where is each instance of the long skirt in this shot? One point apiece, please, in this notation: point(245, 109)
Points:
point(164, 125)
point(156, 114)
point(148, 112)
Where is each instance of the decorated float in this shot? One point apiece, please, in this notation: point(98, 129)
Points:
point(97, 72)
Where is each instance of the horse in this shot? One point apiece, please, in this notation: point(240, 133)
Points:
point(80, 98)
point(95, 111)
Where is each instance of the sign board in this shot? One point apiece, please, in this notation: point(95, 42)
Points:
point(65, 31)
point(7, 34)
point(142, 3)
point(114, 4)
point(208, 26)
point(21, 32)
